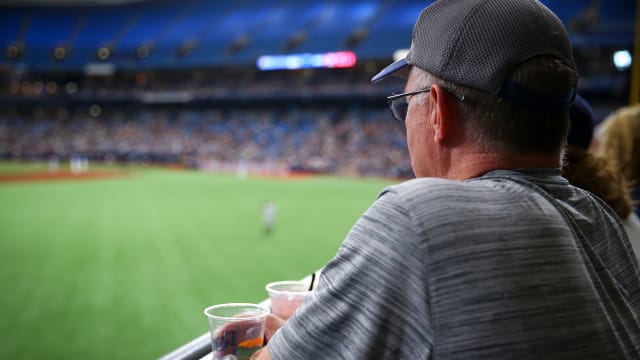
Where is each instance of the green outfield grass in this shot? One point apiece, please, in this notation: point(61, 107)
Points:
point(122, 268)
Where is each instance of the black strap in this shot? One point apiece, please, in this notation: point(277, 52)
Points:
point(535, 101)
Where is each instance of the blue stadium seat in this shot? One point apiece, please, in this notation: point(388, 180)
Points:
point(190, 27)
point(337, 22)
point(147, 24)
point(101, 28)
point(11, 20)
point(600, 23)
point(616, 25)
point(272, 36)
point(566, 10)
point(212, 27)
point(391, 31)
point(215, 43)
point(48, 28)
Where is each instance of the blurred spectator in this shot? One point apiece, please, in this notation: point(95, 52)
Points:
point(590, 172)
point(618, 140)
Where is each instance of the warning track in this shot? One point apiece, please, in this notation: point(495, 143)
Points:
point(57, 176)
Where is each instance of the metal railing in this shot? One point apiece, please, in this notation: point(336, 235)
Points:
point(200, 347)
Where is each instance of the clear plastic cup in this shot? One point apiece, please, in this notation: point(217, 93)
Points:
point(237, 330)
point(286, 297)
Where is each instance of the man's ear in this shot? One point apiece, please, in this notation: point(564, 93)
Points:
point(441, 115)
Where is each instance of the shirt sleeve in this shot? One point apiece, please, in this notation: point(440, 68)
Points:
point(370, 300)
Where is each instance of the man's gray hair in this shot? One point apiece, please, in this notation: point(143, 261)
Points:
point(496, 126)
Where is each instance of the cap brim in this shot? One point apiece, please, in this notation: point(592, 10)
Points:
point(395, 69)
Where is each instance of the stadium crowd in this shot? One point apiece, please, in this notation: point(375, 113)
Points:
point(248, 121)
point(348, 141)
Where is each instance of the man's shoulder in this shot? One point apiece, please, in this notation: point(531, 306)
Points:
point(436, 187)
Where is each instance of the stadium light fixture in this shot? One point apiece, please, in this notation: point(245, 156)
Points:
point(52, 87)
point(38, 88)
point(95, 110)
point(295, 40)
point(356, 37)
point(238, 44)
point(71, 87)
point(187, 48)
point(60, 52)
point(622, 59)
point(144, 51)
point(26, 88)
point(14, 87)
point(14, 51)
point(103, 53)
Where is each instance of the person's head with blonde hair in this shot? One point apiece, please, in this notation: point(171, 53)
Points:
point(590, 172)
point(619, 142)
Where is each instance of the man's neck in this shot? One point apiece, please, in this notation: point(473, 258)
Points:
point(477, 164)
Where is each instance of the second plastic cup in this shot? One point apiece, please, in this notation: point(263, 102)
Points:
point(286, 297)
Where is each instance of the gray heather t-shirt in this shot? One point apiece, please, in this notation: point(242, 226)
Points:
point(487, 268)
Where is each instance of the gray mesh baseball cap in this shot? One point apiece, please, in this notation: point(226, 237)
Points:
point(478, 42)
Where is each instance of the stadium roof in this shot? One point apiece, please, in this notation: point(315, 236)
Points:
point(10, 3)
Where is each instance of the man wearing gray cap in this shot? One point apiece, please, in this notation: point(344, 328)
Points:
point(489, 253)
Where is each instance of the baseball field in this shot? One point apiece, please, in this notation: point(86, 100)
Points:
point(119, 263)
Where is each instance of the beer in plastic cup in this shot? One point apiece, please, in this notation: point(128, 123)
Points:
point(286, 297)
point(237, 330)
